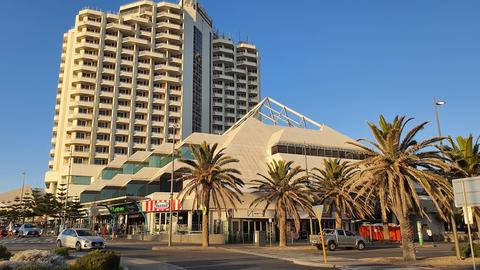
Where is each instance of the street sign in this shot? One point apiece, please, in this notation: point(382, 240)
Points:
point(468, 215)
point(472, 191)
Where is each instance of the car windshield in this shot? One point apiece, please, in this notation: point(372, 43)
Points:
point(85, 233)
point(28, 226)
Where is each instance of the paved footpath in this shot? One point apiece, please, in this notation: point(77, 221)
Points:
point(26, 240)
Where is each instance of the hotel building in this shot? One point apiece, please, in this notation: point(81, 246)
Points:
point(129, 81)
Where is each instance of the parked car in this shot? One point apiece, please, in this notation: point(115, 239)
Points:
point(338, 238)
point(28, 229)
point(15, 229)
point(80, 239)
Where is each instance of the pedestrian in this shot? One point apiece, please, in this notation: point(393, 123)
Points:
point(10, 229)
point(104, 231)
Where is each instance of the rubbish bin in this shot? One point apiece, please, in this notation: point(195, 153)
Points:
point(259, 238)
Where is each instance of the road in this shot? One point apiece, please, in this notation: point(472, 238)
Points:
point(139, 255)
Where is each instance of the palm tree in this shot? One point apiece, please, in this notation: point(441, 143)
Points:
point(210, 179)
point(397, 165)
point(333, 190)
point(464, 157)
point(290, 191)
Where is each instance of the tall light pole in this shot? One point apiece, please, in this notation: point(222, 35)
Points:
point(174, 126)
point(436, 104)
point(68, 185)
point(21, 197)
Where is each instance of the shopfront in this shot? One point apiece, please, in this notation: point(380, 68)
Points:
point(245, 222)
point(158, 215)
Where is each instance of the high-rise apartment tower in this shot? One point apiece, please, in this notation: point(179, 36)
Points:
point(236, 84)
point(129, 81)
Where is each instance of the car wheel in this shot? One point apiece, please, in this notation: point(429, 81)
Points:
point(78, 246)
point(59, 244)
point(332, 246)
point(20, 234)
point(361, 245)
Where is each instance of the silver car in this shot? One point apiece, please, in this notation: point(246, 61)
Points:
point(338, 238)
point(28, 229)
point(80, 239)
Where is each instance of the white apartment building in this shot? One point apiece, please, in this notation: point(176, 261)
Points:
point(235, 82)
point(128, 82)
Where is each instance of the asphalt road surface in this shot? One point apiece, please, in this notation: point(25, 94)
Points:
point(139, 255)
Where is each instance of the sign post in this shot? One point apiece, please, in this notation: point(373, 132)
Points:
point(466, 191)
point(318, 209)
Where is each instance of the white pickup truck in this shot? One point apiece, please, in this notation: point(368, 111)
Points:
point(338, 238)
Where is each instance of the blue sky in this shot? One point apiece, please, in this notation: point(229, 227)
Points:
point(339, 62)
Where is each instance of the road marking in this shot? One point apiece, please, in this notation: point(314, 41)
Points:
point(161, 265)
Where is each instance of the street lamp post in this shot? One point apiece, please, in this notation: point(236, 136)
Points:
point(436, 104)
point(68, 186)
point(170, 203)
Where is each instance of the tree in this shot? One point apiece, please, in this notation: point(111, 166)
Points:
point(210, 179)
point(464, 157)
point(289, 189)
point(74, 211)
point(333, 190)
point(49, 206)
point(396, 165)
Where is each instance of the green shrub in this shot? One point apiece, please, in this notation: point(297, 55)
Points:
point(62, 251)
point(98, 260)
point(466, 252)
point(4, 253)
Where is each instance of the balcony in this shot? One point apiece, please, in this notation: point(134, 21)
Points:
point(124, 84)
point(223, 59)
point(170, 15)
point(136, 41)
point(168, 68)
point(246, 54)
point(169, 25)
point(120, 27)
point(245, 62)
point(84, 80)
point(175, 60)
point(87, 56)
point(223, 77)
point(79, 103)
point(143, 87)
point(224, 50)
point(77, 68)
point(234, 70)
point(167, 79)
point(169, 36)
point(166, 46)
point(137, 19)
point(88, 45)
point(150, 54)
point(79, 128)
point(143, 76)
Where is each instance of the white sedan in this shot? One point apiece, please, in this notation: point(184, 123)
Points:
point(80, 239)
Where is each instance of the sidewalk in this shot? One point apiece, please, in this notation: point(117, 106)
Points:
point(304, 255)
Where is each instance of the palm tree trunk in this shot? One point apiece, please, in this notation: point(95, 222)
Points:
point(283, 228)
point(338, 220)
point(205, 232)
point(386, 230)
point(407, 239)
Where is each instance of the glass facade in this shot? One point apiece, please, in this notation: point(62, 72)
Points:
point(81, 180)
point(197, 81)
point(132, 167)
point(108, 174)
point(316, 150)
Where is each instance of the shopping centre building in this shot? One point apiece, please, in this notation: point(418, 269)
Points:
point(134, 190)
